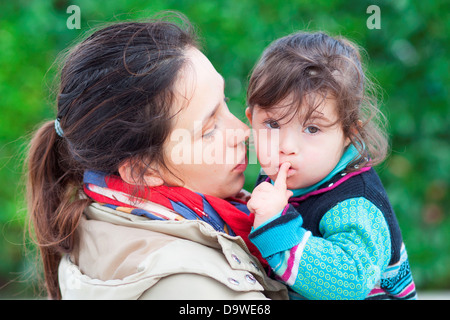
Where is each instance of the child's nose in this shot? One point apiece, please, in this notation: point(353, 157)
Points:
point(289, 142)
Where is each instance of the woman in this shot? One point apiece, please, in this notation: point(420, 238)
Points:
point(123, 196)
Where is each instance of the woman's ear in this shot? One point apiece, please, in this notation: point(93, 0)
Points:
point(248, 113)
point(128, 174)
point(153, 179)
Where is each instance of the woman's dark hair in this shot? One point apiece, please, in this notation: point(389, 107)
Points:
point(307, 68)
point(114, 105)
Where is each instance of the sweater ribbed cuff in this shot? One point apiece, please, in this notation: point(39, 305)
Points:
point(280, 234)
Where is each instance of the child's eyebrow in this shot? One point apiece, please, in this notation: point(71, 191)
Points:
point(318, 115)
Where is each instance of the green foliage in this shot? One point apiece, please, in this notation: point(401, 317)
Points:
point(407, 57)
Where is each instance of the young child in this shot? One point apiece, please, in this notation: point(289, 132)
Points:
point(323, 220)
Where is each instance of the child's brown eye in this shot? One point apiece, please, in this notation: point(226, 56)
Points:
point(312, 130)
point(272, 124)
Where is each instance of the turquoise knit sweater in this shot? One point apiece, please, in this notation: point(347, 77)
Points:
point(350, 257)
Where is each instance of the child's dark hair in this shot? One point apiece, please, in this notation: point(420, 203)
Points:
point(114, 105)
point(309, 67)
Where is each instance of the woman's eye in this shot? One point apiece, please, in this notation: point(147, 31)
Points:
point(311, 130)
point(210, 133)
point(272, 124)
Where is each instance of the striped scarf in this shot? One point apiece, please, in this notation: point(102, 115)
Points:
point(230, 216)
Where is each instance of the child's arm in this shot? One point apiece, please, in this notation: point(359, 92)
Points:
point(345, 263)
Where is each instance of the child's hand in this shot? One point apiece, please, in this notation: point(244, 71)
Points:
point(267, 200)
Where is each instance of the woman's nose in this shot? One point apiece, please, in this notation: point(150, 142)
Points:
point(238, 133)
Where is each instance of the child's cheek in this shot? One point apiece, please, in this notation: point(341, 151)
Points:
point(311, 159)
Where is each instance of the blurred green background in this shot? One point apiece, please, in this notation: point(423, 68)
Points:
point(408, 57)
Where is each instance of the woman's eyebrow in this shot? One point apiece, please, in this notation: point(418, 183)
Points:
point(199, 125)
point(216, 107)
point(205, 120)
point(212, 113)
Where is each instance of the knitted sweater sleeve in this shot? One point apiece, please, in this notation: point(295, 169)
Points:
point(345, 263)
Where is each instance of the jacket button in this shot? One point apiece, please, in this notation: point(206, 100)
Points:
point(235, 258)
point(250, 278)
point(254, 265)
point(233, 281)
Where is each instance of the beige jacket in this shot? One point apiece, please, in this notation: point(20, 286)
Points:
point(123, 256)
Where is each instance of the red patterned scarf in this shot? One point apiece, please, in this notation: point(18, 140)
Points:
point(230, 216)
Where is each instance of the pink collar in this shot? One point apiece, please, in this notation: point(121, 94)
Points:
point(345, 177)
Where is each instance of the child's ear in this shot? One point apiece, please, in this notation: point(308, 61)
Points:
point(354, 131)
point(347, 142)
point(248, 113)
point(129, 175)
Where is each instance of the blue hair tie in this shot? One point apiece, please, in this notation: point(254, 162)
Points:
point(58, 128)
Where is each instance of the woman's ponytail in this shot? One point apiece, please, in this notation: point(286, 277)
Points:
point(54, 206)
point(117, 88)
